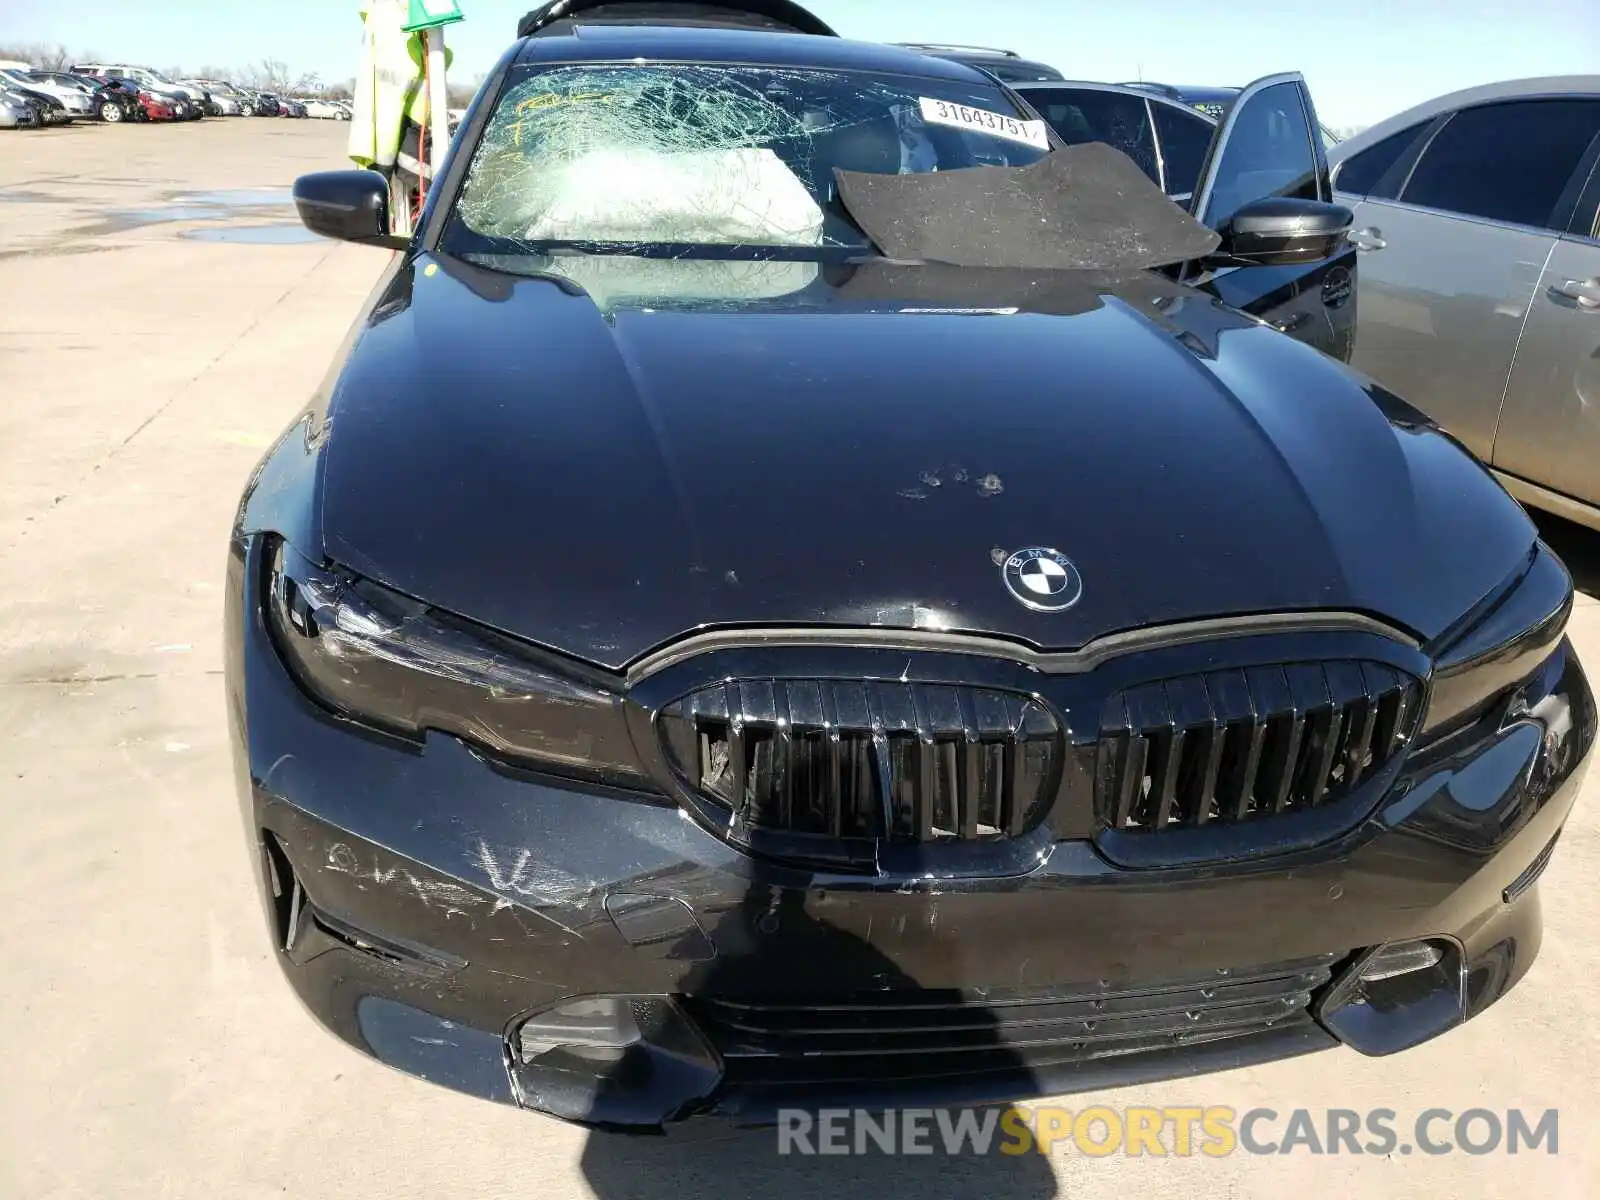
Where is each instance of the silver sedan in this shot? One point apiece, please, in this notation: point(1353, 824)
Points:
point(15, 112)
point(1478, 218)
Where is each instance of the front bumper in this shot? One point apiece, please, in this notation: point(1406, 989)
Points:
point(426, 902)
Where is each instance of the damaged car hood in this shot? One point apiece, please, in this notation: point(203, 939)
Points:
point(616, 453)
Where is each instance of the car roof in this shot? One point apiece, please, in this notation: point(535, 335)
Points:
point(765, 14)
point(1510, 89)
point(1006, 65)
point(700, 44)
point(1143, 92)
point(1193, 94)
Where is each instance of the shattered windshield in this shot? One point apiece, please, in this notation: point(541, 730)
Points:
point(686, 155)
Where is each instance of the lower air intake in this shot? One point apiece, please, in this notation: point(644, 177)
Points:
point(882, 1036)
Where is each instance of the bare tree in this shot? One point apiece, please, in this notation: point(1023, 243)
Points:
point(44, 55)
point(268, 75)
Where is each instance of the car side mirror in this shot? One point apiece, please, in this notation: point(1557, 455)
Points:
point(1281, 231)
point(350, 206)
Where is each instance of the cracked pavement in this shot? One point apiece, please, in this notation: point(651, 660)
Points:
point(150, 1045)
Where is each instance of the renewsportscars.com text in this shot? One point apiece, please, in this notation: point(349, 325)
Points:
point(1214, 1132)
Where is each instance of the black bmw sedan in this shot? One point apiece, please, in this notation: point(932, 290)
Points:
point(752, 622)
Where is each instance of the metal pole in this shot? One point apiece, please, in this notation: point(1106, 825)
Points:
point(438, 101)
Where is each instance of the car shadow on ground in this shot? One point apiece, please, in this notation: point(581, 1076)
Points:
point(622, 1167)
point(1578, 546)
point(710, 1156)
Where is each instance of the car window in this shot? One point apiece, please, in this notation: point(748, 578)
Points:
point(1082, 115)
point(691, 154)
point(1269, 152)
point(1361, 173)
point(1505, 162)
point(1184, 142)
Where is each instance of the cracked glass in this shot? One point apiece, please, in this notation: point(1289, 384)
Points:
point(710, 156)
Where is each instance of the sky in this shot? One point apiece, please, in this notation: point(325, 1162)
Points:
point(1364, 59)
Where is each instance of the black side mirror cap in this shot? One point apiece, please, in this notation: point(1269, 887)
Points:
point(1282, 231)
point(350, 206)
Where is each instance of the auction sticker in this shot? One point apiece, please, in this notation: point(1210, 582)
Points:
point(981, 120)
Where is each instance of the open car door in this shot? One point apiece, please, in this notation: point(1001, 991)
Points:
point(1269, 144)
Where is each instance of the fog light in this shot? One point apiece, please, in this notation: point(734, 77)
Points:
point(613, 1060)
point(1397, 996)
point(598, 1030)
point(1400, 959)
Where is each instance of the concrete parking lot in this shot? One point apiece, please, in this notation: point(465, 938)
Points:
point(161, 318)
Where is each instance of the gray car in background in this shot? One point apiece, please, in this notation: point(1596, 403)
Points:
point(1478, 222)
point(1005, 65)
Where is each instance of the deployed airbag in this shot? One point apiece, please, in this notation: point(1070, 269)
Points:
point(1085, 207)
point(712, 197)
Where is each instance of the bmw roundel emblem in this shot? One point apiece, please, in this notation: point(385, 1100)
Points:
point(1042, 579)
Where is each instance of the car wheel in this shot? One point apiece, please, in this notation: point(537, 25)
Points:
point(111, 112)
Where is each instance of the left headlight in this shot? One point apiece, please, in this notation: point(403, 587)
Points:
point(1503, 641)
point(393, 663)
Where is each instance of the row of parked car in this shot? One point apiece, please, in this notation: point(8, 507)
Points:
point(114, 93)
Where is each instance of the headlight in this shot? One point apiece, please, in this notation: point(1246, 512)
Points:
point(395, 664)
point(1503, 641)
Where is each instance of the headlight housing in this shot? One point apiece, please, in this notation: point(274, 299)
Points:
point(392, 663)
point(1498, 645)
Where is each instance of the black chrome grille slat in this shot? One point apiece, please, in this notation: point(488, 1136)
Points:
point(1211, 766)
point(1329, 731)
point(1242, 745)
point(1165, 789)
point(1136, 754)
point(1193, 720)
point(927, 787)
point(739, 771)
point(881, 759)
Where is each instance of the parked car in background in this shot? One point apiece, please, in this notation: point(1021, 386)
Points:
point(106, 102)
point(267, 105)
point(163, 105)
point(242, 98)
point(192, 99)
point(1005, 65)
point(323, 110)
point(156, 106)
point(1213, 101)
point(1169, 140)
point(16, 111)
point(77, 101)
point(291, 108)
point(221, 100)
point(47, 108)
point(1478, 222)
point(124, 92)
point(151, 79)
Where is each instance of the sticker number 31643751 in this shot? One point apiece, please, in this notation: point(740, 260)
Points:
point(981, 120)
